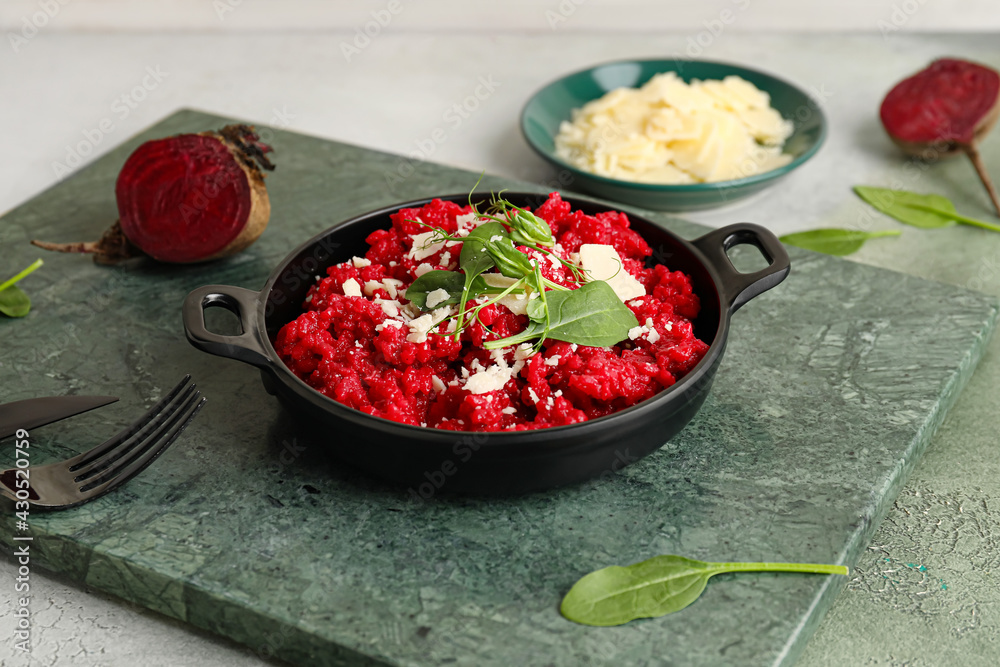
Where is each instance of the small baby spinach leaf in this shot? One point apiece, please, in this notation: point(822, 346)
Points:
point(655, 587)
point(833, 241)
point(474, 258)
point(536, 309)
point(14, 302)
point(918, 210)
point(592, 315)
point(901, 204)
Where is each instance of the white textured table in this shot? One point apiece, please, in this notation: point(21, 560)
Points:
point(60, 89)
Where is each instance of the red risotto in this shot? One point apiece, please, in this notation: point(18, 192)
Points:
point(361, 342)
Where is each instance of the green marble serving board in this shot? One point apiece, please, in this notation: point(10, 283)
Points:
point(830, 389)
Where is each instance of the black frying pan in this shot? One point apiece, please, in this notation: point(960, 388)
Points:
point(432, 460)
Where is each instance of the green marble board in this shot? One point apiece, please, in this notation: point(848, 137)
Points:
point(831, 388)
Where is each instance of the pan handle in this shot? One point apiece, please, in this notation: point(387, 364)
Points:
point(247, 346)
point(738, 288)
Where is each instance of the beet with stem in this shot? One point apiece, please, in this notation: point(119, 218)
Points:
point(187, 198)
point(944, 110)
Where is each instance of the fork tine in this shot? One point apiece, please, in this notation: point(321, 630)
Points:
point(163, 438)
point(87, 457)
point(92, 464)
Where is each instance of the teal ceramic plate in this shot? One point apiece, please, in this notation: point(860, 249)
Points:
point(554, 103)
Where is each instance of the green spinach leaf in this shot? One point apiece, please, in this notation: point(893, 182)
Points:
point(591, 315)
point(901, 204)
point(918, 210)
point(14, 302)
point(833, 241)
point(475, 258)
point(452, 282)
point(656, 587)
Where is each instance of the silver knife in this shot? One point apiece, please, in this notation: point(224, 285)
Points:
point(32, 412)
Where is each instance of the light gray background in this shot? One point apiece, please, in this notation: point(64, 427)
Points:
point(283, 64)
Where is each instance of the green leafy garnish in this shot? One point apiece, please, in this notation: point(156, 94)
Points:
point(474, 260)
point(13, 301)
point(656, 587)
point(452, 282)
point(833, 241)
point(918, 210)
point(592, 315)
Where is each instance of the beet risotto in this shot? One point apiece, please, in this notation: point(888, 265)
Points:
point(431, 358)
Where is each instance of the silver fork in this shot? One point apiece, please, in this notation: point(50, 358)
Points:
point(110, 464)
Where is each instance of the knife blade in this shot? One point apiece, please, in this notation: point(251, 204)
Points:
point(32, 412)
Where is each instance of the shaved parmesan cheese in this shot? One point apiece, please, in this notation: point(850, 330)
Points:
point(351, 287)
point(419, 328)
point(439, 295)
point(360, 262)
point(516, 303)
point(391, 286)
point(672, 132)
point(424, 246)
point(490, 379)
point(390, 308)
point(422, 269)
point(467, 221)
point(603, 263)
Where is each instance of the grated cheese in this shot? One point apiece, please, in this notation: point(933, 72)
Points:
point(390, 308)
point(439, 295)
point(672, 132)
point(602, 262)
point(422, 269)
point(423, 246)
point(351, 287)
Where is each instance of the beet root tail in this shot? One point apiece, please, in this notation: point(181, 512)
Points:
point(984, 176)
point(112, 248)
